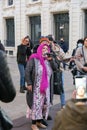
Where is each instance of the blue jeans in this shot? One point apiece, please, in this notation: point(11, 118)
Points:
point(22, 74)
point(62, 96)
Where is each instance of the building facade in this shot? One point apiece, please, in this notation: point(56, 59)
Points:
point(36, 18)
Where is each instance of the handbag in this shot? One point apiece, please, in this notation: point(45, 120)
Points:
point(6, 122)
point(57, 83)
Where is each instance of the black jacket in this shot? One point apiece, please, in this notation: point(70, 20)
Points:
point(23, 52)
point(63, 45)
point(7, 89)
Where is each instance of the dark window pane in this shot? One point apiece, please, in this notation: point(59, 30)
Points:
point(10, 52)
point(10, 41)
point(62, 27)
point(34, 0)
point(35, 24)
point(10, 2)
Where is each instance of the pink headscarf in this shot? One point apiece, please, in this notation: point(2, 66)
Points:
point(38, 55)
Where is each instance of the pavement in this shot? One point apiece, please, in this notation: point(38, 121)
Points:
point(17, 108)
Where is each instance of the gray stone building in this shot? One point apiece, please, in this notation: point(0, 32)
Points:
point(61, 18)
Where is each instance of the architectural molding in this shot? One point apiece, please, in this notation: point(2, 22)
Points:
point(64, 6)
point(33, 11)
point(60, 1)
point(83, 4)
point(8, 14)
point(32, 4)
point(8, 7)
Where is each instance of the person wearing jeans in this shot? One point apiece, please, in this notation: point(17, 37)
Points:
point(60, 55)
point(23, 53)
point(22, 75)
point(62, 95)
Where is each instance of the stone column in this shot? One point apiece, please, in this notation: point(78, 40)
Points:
point(45, 17)
point(75, 23)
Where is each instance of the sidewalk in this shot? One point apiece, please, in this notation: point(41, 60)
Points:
point(17, 108)
point(25, 124)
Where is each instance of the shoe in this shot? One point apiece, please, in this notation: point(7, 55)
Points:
point(62, 107)
point(22, 90)
point(34, 127)
point(44, 122)
point(49, 117)
point(39, 124)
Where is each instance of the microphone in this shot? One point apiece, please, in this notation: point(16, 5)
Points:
point(49, 54)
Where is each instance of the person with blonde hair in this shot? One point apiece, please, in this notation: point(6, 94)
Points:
point(23, 54)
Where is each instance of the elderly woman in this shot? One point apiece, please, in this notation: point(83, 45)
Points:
point(39, 84)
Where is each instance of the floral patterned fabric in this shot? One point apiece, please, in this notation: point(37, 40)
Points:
point(39, 98)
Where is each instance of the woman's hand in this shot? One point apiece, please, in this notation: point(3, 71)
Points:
point(29, 88)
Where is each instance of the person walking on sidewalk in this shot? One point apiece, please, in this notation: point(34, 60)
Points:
point(39, 77)
point(23, 53)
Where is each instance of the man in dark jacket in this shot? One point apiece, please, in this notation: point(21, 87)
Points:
point(63, 45)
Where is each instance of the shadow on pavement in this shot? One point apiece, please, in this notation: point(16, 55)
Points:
point(25, 124)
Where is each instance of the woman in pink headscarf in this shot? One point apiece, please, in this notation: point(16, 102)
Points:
point(39, 84)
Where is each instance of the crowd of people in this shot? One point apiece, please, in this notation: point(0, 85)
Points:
point(37, 63)
point(39, 67)
point(74, 115)
point(40, 70)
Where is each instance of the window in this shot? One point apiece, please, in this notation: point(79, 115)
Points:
point(35, 24)
point(34, 0)
point(10, 2)
point(62, 26)
point(10, 40)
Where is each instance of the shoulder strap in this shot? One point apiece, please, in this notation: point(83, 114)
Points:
point(83, 55)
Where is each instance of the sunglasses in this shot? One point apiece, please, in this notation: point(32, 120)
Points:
point(27, 40)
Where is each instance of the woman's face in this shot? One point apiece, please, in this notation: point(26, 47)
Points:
point(44, 50)
point(85, 42)
point(81, 91)
point(26, 41)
